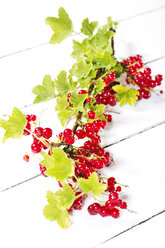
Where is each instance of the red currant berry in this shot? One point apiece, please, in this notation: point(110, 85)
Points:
point(42, 169)
point(33, 117)
point(158, 77)
point(104, 211)
point(115, 213)
point(82, 92)
point(38, 131)
point(28, 118)
point(26, 158)
point(36, 148)
point(88, 99)
point(91, 114)
point(69, 140)
point(111, 181)
point(118, 188)
point(147, 71)
point(67, 132)
point(113, 197)
point(26, 132)
point(124, 205)
point(109, 205)
point(47, 133)
point(88, 127)
point(161, 91)
point(81, 134)
point(91, 210)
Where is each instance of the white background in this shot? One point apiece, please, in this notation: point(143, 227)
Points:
point(136, 138)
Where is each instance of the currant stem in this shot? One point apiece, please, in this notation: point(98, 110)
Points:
point(96, 198)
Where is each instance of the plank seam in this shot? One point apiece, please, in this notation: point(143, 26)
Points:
point(135, 134)
point(130, 228)
point(121, 20)
point(27, 180)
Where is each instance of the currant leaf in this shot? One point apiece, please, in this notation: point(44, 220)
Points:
point(62, 84)
point(65, 196)
point(87, 27)
point(53, 212)
point(104, 59)
point(81, 69)
point(78, 100)
point(14, 126)
point(79, 48)
point(125, 95)
point(61, 26)
point(57, 165)
point(61, 103)
point(99, 86)
point(92, 184)
point(44, 92)
point(65, 115)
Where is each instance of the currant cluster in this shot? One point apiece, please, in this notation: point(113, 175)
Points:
point(143, 79)
point(40, 136)
point(110, 207)
point(107, 96)
point(78, 203)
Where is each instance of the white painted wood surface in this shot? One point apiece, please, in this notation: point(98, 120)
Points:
point(139, 159)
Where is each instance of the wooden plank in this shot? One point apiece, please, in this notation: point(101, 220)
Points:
point(25, 28)
point(139, 163)
point(130, 121)
point(149, 233)
point(142, 35)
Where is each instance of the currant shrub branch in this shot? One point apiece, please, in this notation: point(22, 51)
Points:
point(81, 95)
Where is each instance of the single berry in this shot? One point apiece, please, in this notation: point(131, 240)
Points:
point(124, 205)
point(38, 131)
point(118, 188)
point(88, 99)
point(81, 134)
point(104, 211)
point(36, 148)
point(28, 118)
point(82, 92)
point(33, 117)
point(113, 197)
point(91, 114)
point(28, 127)
point(115, 213)
point(47, 133)
point(26, 158)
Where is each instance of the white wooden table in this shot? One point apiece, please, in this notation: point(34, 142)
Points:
point(136, 137)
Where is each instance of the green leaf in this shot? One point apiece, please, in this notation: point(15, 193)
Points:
point(98, 108)
point(85, 82)
point(53, 212)
point(61, 103)
point(14, 126)
point(109, 22)
point(61, 26)
point(44, 92)
point(65, 197)
point(78, 100)
point(61, 84)
point(104, 59)
point(118, 69)
point(65, 115)
point(57, 165)
point(79, 48)
point(99, 86)
point(88, 28)
point(92, 184)
point(102, 37)
point(126, 95)
point(81, 69)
